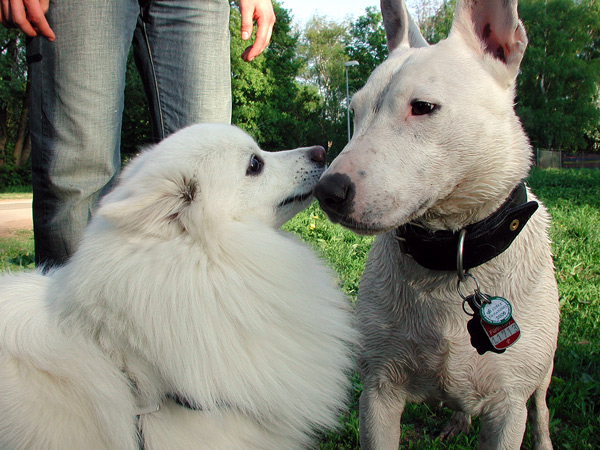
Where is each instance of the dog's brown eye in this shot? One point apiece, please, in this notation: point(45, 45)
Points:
point(255, 166)
point(420, 108)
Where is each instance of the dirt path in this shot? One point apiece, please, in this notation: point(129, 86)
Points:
point(15, 215)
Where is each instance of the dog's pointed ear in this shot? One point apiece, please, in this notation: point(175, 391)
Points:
point(493, 29)
point(400, 29)
point(150, 204)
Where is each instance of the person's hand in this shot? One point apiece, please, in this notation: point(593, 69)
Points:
point(28, 15)
point(262, 12)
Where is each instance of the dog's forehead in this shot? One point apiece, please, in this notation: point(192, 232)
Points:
point(404, 68)
point(428, 73)
point(404, 74)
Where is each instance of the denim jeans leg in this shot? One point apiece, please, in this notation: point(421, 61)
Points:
point(77, 85)
point(182, 52)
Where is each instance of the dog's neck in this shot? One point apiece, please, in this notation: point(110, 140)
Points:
point(483, 240)
point(149, 395)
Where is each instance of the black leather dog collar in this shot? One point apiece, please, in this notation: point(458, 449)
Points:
point(484, 240)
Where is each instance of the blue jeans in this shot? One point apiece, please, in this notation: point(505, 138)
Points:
point(181, 49)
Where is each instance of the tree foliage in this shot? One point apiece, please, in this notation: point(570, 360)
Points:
point(14, 105)
point(322, 49)
point(560, 73)
point(366, 44)
point(326, 46)
point(435, 20)
point(268, 102)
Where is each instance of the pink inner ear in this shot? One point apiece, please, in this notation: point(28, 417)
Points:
point(492, 43)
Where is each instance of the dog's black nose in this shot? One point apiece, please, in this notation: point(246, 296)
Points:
point(335, 193)
point(318, 155)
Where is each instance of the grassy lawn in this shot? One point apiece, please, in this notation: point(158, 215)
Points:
point(573, 198)
point(16, 249)
point(16, 192)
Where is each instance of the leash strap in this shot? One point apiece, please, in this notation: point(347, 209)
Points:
point(484, 240)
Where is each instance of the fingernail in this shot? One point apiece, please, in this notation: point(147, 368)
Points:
point(245, 35)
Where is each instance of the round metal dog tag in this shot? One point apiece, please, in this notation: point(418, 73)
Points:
point(497, 311)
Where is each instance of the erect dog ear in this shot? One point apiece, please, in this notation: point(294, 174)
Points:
point(493, 29)
point(153, 205)
point(400, 29)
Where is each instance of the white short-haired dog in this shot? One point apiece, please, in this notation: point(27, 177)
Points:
point(436, 168)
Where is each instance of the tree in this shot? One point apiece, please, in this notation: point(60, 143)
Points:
point(366, 44)
point(560, 73)
point(14, 99)
point(136, 130)
point(435, 19)
point(323, 50)
point(268, 102)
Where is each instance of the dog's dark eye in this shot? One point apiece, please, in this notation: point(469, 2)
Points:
point(420, 108)
point(256, 165)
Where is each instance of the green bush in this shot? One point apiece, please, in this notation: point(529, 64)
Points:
point(11, 176)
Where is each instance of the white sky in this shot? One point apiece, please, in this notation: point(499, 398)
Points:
point(302, 10)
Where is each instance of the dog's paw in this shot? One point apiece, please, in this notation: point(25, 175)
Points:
point(458, 423)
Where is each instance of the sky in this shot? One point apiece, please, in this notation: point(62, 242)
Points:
point(302, 10)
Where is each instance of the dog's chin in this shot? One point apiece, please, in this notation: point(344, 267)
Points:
point(295, 200)
point(291, 206)
point(361, 228)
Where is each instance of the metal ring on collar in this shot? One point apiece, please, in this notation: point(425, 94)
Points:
point(465, 275)
point(459, 255)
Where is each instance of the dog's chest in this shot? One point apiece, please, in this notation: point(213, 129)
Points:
point(414, 332)
point(424, 351)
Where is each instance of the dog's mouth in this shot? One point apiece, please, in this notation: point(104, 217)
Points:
point(361, 228)
point(295, 199)
point(352, 224)
point(374, 226)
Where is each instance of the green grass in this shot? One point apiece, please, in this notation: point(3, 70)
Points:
point(16, 248)
point(573, 199)
point(15, 192)
point(16, 251)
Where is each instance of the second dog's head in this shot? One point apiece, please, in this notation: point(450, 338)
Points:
point(436, 139)
point(207, 175)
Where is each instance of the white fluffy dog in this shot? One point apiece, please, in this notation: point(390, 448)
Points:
point(186, 320)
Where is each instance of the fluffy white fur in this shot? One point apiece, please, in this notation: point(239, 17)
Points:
point(444, 170)
point(182, 284)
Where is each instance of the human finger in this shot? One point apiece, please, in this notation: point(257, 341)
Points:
point(18, 17)
point(265, 20)
point(36, 15)
point(247, 16)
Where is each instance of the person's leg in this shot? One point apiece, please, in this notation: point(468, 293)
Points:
point(182, 52)
point(77, 85)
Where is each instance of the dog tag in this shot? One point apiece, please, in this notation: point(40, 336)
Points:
point(502, 336)
point(492, 327)
point(480, 340)
point(496, 311)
